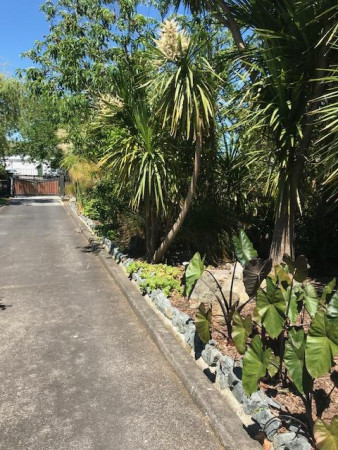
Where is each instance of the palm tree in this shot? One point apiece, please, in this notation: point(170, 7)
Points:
point(135, 150)
point(186, 89)
point(289, 65)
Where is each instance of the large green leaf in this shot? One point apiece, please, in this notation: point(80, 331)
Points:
point(255, 271)
point(311, 299)
point(242, 328)
point(273, 366)
point(332, 309)
point(193, 272)
point(271, 307)
point(290, 296)
point(297, 268)
point(202, 323)
point(321, 344)
point(282, 275)
point(244, 249)
point(255, 364)
point(327, 291)
point(326, 436)
point(294, 359)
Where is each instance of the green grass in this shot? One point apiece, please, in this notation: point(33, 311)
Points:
point(3, 201)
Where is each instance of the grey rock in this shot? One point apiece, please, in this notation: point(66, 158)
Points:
point(204, 289)
point(224, 367)
point(238, 272)
point(273, 403)
point(180, 320)
point(235, 376)
point(163, 304)
point(269, 423)
point(189, 335)
point(256, 402)
point(290, 441)
point(239, 393)
point(154, 294)
point(211, 355)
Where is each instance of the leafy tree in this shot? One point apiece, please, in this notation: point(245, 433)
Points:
point(10, 102)
point(187, 91)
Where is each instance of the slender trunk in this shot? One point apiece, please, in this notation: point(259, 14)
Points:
point(284, 228)
point(160, 252)
point(232, 25)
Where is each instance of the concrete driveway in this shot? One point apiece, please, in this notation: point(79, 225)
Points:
point(78, 370)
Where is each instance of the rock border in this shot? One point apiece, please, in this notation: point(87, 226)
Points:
point(221, 369)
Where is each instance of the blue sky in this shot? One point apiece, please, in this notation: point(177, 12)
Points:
point(21, 24)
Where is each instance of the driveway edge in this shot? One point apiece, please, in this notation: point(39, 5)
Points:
point(220, 413)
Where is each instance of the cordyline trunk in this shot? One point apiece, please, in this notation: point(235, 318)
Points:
point(151, 232)
point(160, 252)
point(284, 230)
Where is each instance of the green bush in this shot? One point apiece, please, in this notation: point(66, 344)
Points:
point(157, 276)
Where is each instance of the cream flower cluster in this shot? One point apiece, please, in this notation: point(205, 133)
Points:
point(172, 41)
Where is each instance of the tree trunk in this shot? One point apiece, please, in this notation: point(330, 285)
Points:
point(160, 252)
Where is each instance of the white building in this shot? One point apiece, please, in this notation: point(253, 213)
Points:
point(23, 165)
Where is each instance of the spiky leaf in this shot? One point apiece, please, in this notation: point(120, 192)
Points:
point(255, 271)
point(242, 328)
point(321, 344)
point(326, 436)
point(202, 323)
point(193, 272)
point(294, 359)
point(244, 249)
point(255, 364)
point(271, 307)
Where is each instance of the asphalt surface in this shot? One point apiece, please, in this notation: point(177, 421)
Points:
point(77, 368)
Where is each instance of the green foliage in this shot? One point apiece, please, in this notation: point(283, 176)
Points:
point(10, 108)
point(242, 328)
point(255, 365)
point(321, 344)
point(294, 359)
point(244, 249)
point(271, 306)
point(157, 276)
point(193, 272)
point(326, 435)
point(203, 323)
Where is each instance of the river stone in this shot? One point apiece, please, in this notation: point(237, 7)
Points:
point(223, 368)
point(180, 320)
point(290, 441)
point(154, 293)
point(211, 355)
point(263, 417)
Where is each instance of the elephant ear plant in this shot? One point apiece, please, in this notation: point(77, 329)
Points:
point(293, 334)
point(255, 271)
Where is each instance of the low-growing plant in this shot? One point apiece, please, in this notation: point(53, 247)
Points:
point(157, 276)
point(293, 334)
point(326, 435)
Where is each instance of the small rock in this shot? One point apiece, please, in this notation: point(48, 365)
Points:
point(189, 335)
point(180, 320)
point(224, 366)
point(273, 403)
point(154, 293)
point(290, 441)
point(239, 393)
point(163, 304)
point(238, 272)
point(256, 402)
point(211, 355)
point(235, 376)
point(263, 417)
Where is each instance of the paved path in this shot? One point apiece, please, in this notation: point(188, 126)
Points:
point(77, 368)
